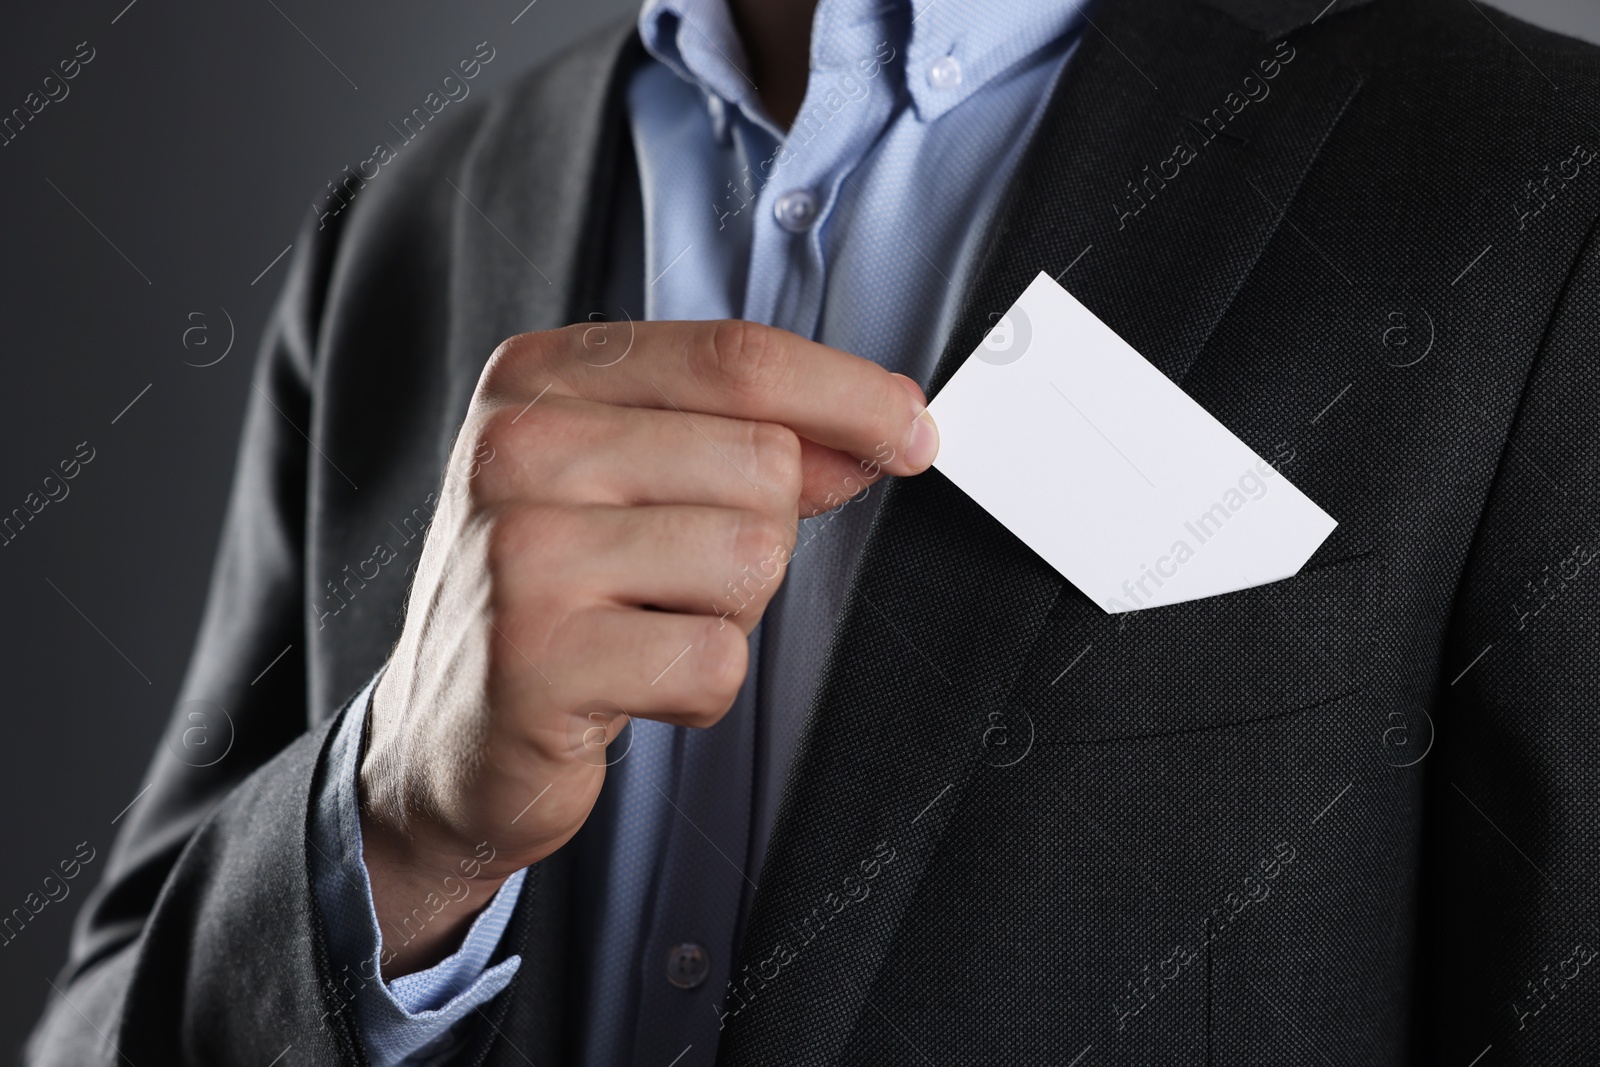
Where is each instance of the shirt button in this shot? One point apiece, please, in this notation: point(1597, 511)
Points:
point(795, 210)
point(945, 73)
point(687, 965)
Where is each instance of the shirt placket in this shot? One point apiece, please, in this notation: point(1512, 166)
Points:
point(799, 176)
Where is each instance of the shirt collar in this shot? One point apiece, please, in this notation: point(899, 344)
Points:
point(983, 40)
point(979, 40)
point(697, 41)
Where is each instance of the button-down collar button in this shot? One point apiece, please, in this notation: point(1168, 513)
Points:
point(945, 73)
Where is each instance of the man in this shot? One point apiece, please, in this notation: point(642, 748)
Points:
point(499, 811)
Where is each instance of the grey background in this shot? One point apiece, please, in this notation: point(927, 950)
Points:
point(194, 142)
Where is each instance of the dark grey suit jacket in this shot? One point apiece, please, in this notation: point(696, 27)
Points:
point(1349, 817)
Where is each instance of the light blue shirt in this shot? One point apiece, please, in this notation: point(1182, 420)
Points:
point(859, 228)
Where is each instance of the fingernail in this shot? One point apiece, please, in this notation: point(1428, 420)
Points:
point(922, 441)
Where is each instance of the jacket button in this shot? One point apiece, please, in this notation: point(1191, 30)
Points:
point(687, 965)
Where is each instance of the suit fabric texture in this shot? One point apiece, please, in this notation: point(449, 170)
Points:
point(1349, 815)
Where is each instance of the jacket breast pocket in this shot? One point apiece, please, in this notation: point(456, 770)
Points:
point(1270, 650)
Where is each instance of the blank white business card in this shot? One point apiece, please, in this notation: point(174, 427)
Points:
point(1108, 470)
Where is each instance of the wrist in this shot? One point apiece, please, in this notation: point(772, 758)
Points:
point(425, 895)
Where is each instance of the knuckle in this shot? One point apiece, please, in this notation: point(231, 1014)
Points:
point(482, 460)
point(726, 655)
point(778, 465)
point(494, 435)
point(745, 358)
point(553, 429)
point(500, 368)
point(480, 487)
point(516, 537)
point(509, 361)
point(503, 541)
point(515, 444)
point(761, 538)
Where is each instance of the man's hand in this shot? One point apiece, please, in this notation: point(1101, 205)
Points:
point(588, 562)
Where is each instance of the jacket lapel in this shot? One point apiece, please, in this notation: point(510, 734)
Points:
point(533, 205)
point(1274, 18)
point(946, 604)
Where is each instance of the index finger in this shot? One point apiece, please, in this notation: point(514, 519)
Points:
point(735, 369)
